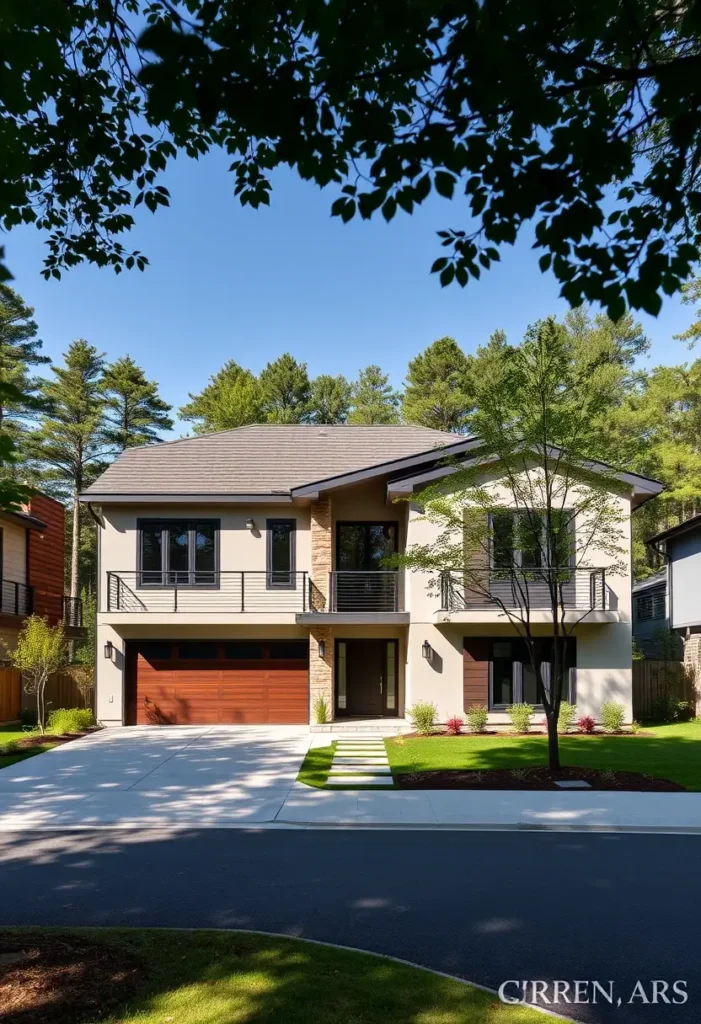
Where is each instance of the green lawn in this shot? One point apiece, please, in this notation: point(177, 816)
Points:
point(669, 752)
point(206, 977)
point(12, 732)
point(316, 765)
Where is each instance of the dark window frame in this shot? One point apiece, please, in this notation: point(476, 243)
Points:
point(166, 525)
point(270, 573)
point(657, 601)
point(517, 560)
point(365, 523)
point(570, 688)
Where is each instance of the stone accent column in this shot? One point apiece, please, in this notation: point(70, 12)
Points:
point(321, 670)
point(321, 537)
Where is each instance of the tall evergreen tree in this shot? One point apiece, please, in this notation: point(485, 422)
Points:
point(439, 391)
point(286, 391)
point(231, 399)
point(330, 399)
point(134, 411)
point(691, 295)
point(20, 398)
point(69, 444)
point(374, 398)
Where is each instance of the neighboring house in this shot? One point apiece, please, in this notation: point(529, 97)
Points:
point(241, 576)
point(32, 569)
point(651, 628)
point(681, 547)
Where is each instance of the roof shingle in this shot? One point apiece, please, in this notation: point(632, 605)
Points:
point(262, 458)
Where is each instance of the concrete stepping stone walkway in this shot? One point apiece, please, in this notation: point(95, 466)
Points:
point(359, 762)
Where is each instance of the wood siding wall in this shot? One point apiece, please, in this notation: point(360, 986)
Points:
point(475, 671)
point(652, 680)
point(45, 559)
point(10, 694)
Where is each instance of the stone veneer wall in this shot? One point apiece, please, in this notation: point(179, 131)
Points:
point(321, 669)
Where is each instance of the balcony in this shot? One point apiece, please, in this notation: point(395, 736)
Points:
point(211, 593)
point(581, 592)
point(375, 591)
point(73, 612)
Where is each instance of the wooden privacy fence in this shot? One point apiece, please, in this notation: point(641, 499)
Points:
point(653, 680)
point(61, 692)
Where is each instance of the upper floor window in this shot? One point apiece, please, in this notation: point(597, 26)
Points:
point(281, 553)
point(650, 606)
point(521, 539)
point(182, 552)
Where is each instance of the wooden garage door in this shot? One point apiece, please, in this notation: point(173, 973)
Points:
point(212, 682)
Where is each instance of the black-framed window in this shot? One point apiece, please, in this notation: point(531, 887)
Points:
point(512, 677)
point(178, 552)
point(280, 569)
point(650, 606)
point(519, 539)
point(364, 546)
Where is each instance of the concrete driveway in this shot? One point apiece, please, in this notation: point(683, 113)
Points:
point(156, 776)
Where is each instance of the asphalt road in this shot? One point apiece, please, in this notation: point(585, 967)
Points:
point(487, 906)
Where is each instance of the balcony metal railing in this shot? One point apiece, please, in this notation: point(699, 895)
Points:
point(364, 591)
point(579, 589)
point(15, 598)
point(233, 592)
point(73, 611)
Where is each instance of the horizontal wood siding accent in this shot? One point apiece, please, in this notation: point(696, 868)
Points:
point(475, 671)
point(218, 691)
point(46, 557)
point(10, 694)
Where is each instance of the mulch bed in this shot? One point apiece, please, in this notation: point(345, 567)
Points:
point(37, 740)
point(534, 778)
point(61, 979)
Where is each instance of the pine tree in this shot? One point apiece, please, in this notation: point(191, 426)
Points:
point(231, 399)
point(134, 411)
point(330, 399)
point(286, 390)
point(69, 444)
point(374, 399)
point(20, 394)
point(439, 390)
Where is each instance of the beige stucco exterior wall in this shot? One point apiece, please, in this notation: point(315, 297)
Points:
point(14, 553)
point(604, 657)
point(241, 550)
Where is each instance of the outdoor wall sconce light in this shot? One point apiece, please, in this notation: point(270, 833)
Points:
point(426, 650)
point(108, 650)
point(322, 648)
point(250, 524)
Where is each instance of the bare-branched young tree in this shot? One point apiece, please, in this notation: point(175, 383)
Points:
point(534, 524)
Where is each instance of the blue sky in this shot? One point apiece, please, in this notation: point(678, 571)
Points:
point(227, 282)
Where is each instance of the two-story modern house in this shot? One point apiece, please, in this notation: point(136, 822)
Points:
point(243, 575)
point(680, 547)
point(32, 569)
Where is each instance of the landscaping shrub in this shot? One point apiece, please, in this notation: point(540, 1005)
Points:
point(423, 716)
point(668, 708)
point(635, 726)
point(321, 709)
point(612, 715)
point(520, 715)
point(566, 716)
point(477, 717)
point(10, 747)
point(28, 716)
point(64, 720)
point(454, 725)
point(586, 724)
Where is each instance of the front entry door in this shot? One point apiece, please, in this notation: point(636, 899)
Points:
point(366, 678)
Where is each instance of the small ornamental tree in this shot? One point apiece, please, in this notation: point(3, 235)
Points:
point(529, 514)
point(40, 651)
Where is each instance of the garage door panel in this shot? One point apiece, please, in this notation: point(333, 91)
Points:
point(226, 691)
